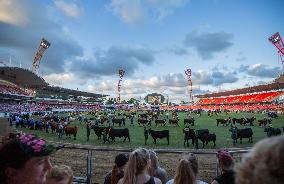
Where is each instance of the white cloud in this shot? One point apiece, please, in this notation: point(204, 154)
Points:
point(62, 79)
point(69, 9)
point(260, 70)
point(164, 8)
point(130, 11)
point(13, 12)
point(137, 11)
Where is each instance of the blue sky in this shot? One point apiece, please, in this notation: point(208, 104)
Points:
point(224, 42)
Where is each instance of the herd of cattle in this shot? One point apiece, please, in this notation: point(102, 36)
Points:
point(112, 132)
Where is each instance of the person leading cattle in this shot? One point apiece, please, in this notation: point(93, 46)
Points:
point(186, 136)
point(234, 134)
point(88, 126)
point(145, 135)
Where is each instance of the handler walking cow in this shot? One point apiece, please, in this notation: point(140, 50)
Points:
point(145, 135)
point(188, 134)
point(234, 134)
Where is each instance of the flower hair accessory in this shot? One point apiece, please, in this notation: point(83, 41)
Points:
point(33, 146)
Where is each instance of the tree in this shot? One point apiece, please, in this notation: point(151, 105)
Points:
point(132, 101)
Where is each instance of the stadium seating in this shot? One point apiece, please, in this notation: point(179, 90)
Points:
point(13, 90)
point(241, 99)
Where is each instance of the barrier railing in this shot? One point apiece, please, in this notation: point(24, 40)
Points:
point(89, 173)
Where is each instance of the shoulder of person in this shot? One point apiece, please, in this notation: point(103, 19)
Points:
point(157, 180)
point(170, 181)
point(200, 182)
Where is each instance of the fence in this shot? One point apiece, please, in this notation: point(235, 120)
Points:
point(90, 150)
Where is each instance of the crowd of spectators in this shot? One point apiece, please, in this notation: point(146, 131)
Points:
point(14, 107)
point(12, 90)
point(24, 158)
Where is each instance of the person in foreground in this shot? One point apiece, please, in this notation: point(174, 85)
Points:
point(24, 159)
point(61, 174)
point(155, 170)
point(136, 171)
point(263, 164)
point(186, 171)
point(226, 163)
point(117, 171)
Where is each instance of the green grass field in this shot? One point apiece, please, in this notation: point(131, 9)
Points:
point(176, 135)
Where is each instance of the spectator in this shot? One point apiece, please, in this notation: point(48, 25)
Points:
point(62, 174)
point(186, 172)
point(117, 171)
point(24, 159)
point(263, 164)
point(136, 169)
point(155, 170)
point(226, 163)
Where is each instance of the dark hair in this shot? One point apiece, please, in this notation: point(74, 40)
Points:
point(116, 174)
point(11, 155)
point(121, 159)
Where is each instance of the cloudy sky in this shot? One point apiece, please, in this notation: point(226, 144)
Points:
point(224, 43)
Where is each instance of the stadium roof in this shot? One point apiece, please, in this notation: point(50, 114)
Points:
point(65, 91)
point(22, 77)
point(27, 79)
point(278, 84)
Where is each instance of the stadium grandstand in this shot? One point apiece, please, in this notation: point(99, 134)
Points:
point(19, 87)
point(261, 97)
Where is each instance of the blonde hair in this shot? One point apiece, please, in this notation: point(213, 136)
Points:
point(136, 164)
point(187, 170)
point(59, 173)
point(154, 163)
point(263, 164)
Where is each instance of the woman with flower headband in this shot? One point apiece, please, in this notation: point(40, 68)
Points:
point(24, 159)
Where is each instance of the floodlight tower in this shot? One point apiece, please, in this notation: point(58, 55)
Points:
point(276, 40)
point(121, 73)
point(188, 75)
point(44, 44)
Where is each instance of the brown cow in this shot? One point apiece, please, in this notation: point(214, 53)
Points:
point(264, 122)
point(71, 130)
point(54, 127)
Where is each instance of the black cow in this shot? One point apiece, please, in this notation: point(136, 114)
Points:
point(118, 121)
point(238, 120)
point(98, 130)
point(202, 131)
point(223, 121)
point(205, 137)
point(189, 121)
point(142, 121)
point(160, 121)
point(249, 121)
point(159, 134)
point(245, 133)
point(113, 133)
point(272, 131)
point(272, 115)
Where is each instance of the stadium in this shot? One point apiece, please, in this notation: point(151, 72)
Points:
point(23, 91)
point(128, 98)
